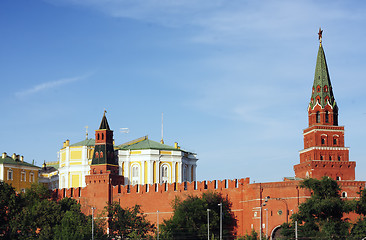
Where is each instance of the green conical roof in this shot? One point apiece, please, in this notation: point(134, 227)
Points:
point(322, 87)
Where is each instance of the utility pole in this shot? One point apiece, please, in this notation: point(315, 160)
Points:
point(93, 208)
point(220, 204)
point(157, 223)
point(208, 224)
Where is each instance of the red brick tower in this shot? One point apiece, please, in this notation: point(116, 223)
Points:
point(324, 153)
point(104, 170)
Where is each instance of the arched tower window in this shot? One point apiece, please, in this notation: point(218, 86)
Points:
point(318, 117)
point(326, 116)
point(98, 136)
point(102, 136)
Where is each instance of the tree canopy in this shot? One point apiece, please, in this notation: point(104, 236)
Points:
point(128, 223)
point(323, 214)
point(189, 220)
point(36, 215)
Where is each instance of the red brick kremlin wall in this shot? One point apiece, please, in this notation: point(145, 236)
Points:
point(246, 199)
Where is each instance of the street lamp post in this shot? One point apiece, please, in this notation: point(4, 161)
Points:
point(208, 224)
point(93, 208)
point(157, 224)
point(220, 204)
point(292, 212)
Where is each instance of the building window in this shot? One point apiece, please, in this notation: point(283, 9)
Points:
point(326, 116)
point(338, 178)
point(135, 174)
point(22, 176)
point(344, 194)
point(334, 141)
point(318, 117)
point(10, 174)
point(325, 88)
point(321, 157)
point(339, 158)
point(31, 177)
point(185, 173)
point(323, 141)
point(330, 158)
point(164, 174)
point(318, 88)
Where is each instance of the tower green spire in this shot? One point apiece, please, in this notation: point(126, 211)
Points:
point(322, 91)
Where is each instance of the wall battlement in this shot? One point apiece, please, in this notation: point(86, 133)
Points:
point(197, 186)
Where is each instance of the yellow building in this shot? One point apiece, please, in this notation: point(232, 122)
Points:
point(74, 163)
point(48, 176)
point(144, 161)
point(20, 174)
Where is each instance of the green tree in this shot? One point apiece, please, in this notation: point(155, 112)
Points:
point(74, 224)
point(358, 230)
point(252, 236)
point(37, 215)
point(189, 220)
point(321, 216)
point(10, 206)
point(128, 223)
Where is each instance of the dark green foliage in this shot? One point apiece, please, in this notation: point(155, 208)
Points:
point(321, 216)
point(10, 206)
point(128, 222)
point(35, 215)
point(252, 236)
point(360, 206)
point(358, 230)
point(190, 218)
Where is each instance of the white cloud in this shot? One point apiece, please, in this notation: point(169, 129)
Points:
point(229, 21)
point(48, 85)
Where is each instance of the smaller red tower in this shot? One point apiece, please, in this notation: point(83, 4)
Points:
point(104, 170)
point(324, 152)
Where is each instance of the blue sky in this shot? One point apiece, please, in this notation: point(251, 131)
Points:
point(233, 78)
